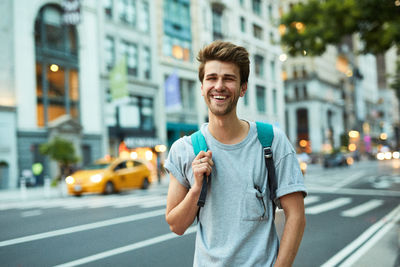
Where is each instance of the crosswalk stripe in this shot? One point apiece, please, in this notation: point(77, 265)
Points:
point(363, 208)
point(328, 205)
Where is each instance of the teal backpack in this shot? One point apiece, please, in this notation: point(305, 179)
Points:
point(265, 136)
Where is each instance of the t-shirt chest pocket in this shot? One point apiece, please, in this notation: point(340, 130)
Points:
point(254, 206)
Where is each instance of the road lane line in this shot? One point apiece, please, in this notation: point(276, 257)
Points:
point(362, 239)
point(31, 213)
point(328, 205)
point(311, 199)
point(363, 208)
point(83, 227)
point(120, 250)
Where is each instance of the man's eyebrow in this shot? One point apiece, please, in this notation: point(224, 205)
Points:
point(225, 75)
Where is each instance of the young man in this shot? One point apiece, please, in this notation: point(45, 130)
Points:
point(236, 226)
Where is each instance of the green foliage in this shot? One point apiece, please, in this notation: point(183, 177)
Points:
point(329, 21)
point(60, 150)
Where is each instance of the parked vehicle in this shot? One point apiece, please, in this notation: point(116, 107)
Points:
point(335, 160)
point(109, 176)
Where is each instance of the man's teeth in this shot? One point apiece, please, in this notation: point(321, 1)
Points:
point(220, 97)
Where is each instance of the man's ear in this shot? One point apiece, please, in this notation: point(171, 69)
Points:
point(243, 89)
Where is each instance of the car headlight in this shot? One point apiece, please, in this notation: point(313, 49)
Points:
point(70, 180)
point(96, 178)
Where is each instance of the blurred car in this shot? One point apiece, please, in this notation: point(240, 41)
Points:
point(337, 159)
point(109, 177)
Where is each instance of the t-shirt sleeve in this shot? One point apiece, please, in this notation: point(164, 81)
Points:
point(287, 169)
point(178, 162)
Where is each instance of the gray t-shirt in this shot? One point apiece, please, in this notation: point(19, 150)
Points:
point(232, 230)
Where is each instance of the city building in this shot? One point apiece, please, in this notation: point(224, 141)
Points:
point(49, 82)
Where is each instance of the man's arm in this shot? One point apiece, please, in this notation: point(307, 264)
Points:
point(182, 202)
point(295, 221)
point(181, 206)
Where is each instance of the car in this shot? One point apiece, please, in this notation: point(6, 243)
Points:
point(109, 176)
point(335, 160)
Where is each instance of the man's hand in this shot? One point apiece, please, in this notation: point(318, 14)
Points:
point(201, 165)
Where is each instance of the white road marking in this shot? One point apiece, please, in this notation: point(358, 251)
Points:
point(363, 208)
point(311, 199)
point(328, 205)
point(362, 239)
point(83, 227)
point(349, 179)
point(152, 204)
point(371, 242)
point(127, 248)
point(31, 213)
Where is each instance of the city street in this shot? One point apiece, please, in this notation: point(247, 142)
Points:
point(349, 211)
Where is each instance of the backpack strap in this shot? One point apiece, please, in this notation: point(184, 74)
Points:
point(265, 135)
point(199, 144)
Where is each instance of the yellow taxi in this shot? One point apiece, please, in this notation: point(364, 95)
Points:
point(109, 176)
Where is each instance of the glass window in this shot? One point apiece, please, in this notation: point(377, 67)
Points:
point(297, 92)
point(144, 21)
point(257, 32)
point(53, 28)
point(107, 5)
point(256, 6)
point(274, 101)
point(217, 24)
point(147, 63)
point(56, 92)
point(109, 55)
point(246, 99)
point(270, 12)
point(127, 11)
point(74, 93)
point(260, 91)
point(129, 50)
point(259, 65)
point(273, 70)
point(147, 114)
point(242, 24)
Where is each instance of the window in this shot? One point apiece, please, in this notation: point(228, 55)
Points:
point(271, 38)
point(270, 12)
point(129, 50)
point(297, 92)
point(273, 70)
point(257, 7)
point(241, 2)
point(109, 55)
point(107, 5)
point(274, 101)
point(295, 75)
point(260, 91)
point(147, 114)
point(147, 63)
point(144, 21)
point(57, 76)
point(305, 93)
point(259, 65)
point(177, 30)
point(242, 24)
point(257, 32)
point(304, 72)
point(217, 23)
point(246, 99)
point(127, 11)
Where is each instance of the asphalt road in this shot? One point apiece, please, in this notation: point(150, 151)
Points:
point(345, 208)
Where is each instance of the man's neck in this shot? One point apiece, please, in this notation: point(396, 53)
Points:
point(228, 129)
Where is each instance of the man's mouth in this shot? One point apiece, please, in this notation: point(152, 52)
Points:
point(219, 97)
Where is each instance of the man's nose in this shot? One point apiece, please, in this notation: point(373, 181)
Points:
point(219, 84)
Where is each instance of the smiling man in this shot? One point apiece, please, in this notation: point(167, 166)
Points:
point(236, 225)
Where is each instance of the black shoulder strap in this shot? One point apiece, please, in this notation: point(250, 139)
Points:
point(266, 135)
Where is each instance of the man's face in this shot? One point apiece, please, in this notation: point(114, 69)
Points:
point(221, 87)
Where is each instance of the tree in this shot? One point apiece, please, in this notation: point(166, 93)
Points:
point(313, 25)
point(62, 151)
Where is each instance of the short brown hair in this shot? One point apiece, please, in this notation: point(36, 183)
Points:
point(226, 52)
